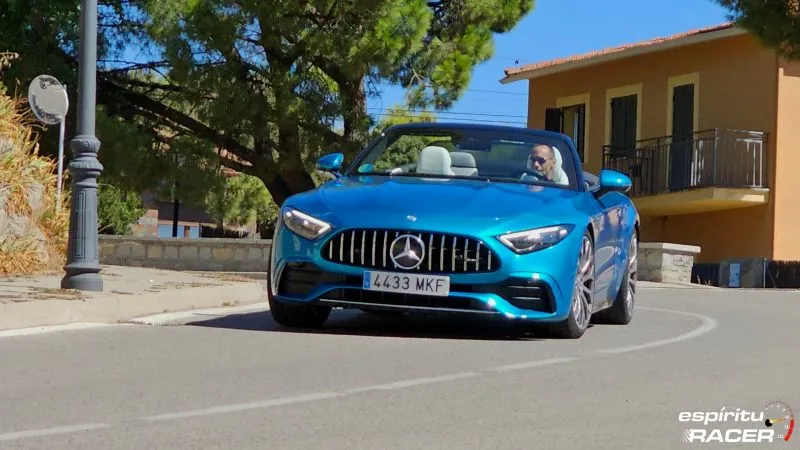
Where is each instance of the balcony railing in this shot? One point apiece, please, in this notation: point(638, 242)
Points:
point(711, 158)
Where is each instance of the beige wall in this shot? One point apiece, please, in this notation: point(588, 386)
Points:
point(787, 199)
point(737, 89)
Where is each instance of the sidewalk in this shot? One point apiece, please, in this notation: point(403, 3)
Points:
point(129, 292)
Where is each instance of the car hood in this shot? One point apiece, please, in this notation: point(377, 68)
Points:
point(377, 201)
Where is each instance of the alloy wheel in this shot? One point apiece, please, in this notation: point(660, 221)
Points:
point(583, 296)
point(633, 263)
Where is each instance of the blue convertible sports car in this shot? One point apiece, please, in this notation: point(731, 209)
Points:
point(474, 219)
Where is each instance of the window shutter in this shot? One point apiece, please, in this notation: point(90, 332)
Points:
point(553, 119)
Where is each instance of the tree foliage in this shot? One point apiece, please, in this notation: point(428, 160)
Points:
point(776, 23)
point(242, 199)
point(117, 209)
point(266, 81)
point(407, 148)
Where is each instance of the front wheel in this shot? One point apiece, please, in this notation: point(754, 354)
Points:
point(621, 311)
point(580, 313)
point(298, 316)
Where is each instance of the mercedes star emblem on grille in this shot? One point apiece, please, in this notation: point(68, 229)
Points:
point(407, 251)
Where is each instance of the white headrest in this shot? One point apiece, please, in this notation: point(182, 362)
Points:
point(434, 160)
point(463, 159)
point(557, 153)
point(559, 176)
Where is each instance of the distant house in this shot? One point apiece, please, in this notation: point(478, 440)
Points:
point(707, 125)
point(193, 222)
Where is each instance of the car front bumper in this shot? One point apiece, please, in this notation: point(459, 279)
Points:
point(537, 286)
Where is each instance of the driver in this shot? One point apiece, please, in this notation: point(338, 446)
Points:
point(542, 161)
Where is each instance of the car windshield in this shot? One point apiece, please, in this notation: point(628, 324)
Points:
point(485, 153)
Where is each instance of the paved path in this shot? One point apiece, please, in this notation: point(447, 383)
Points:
point(418, 383)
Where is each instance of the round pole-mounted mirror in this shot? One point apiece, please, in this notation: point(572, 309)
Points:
point(48, 99)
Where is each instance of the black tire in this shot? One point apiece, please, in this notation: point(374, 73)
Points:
point(579, 317)
point(298, 316)
point(295, 316)
point(621, 310)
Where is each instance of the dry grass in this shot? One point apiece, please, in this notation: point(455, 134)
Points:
point(25, 175)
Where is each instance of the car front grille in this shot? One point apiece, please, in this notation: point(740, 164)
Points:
point(444, 253)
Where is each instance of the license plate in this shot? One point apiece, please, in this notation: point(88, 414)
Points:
point(407, 283)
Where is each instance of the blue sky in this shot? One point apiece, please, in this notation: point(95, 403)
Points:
point(558, 28)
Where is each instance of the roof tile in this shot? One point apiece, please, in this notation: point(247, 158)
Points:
point(612, 50)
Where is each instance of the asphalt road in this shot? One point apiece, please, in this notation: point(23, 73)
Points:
point(414, 383)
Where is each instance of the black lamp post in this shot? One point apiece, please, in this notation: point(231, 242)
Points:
point(83, 252)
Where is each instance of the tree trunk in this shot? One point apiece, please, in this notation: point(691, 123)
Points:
point(290, 176)
point(355, 120)
point(287, 183)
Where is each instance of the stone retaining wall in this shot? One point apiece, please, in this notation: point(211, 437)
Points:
point(201, 254)
point(664, 262)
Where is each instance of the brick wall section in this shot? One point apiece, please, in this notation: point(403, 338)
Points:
point(201, 254)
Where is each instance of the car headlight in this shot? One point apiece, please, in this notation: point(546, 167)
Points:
point(306, 226)
point(536, 239)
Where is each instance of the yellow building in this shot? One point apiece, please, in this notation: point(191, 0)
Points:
point(707, 125)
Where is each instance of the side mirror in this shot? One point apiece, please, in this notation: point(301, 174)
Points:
point(613, 181)
point(331, 162)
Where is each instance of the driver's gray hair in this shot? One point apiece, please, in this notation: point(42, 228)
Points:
point(548, 147)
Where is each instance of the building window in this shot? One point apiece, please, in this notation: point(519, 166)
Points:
point(623, 118)
point(570, 120)
point(623, 122)
point(680, 155)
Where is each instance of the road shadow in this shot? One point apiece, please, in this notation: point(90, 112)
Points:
point(409, 325)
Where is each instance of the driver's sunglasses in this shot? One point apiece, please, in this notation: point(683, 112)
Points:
point(539, 159)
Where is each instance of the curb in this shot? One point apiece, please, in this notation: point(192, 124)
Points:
point(674, 285)
point(259, 276)
point(122, 308)
point(172, 317)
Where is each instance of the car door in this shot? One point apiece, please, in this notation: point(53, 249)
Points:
point(607, 225)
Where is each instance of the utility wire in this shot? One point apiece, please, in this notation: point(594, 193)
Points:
point(524, 94)
point(455, 113)
point(456, 118)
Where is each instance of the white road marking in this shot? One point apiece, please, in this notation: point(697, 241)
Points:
point(656, 285)
point(411, 383)
point(51, 431)
point(54, 328)
point(246, 406)
point(708, 325)
point(530, 364)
